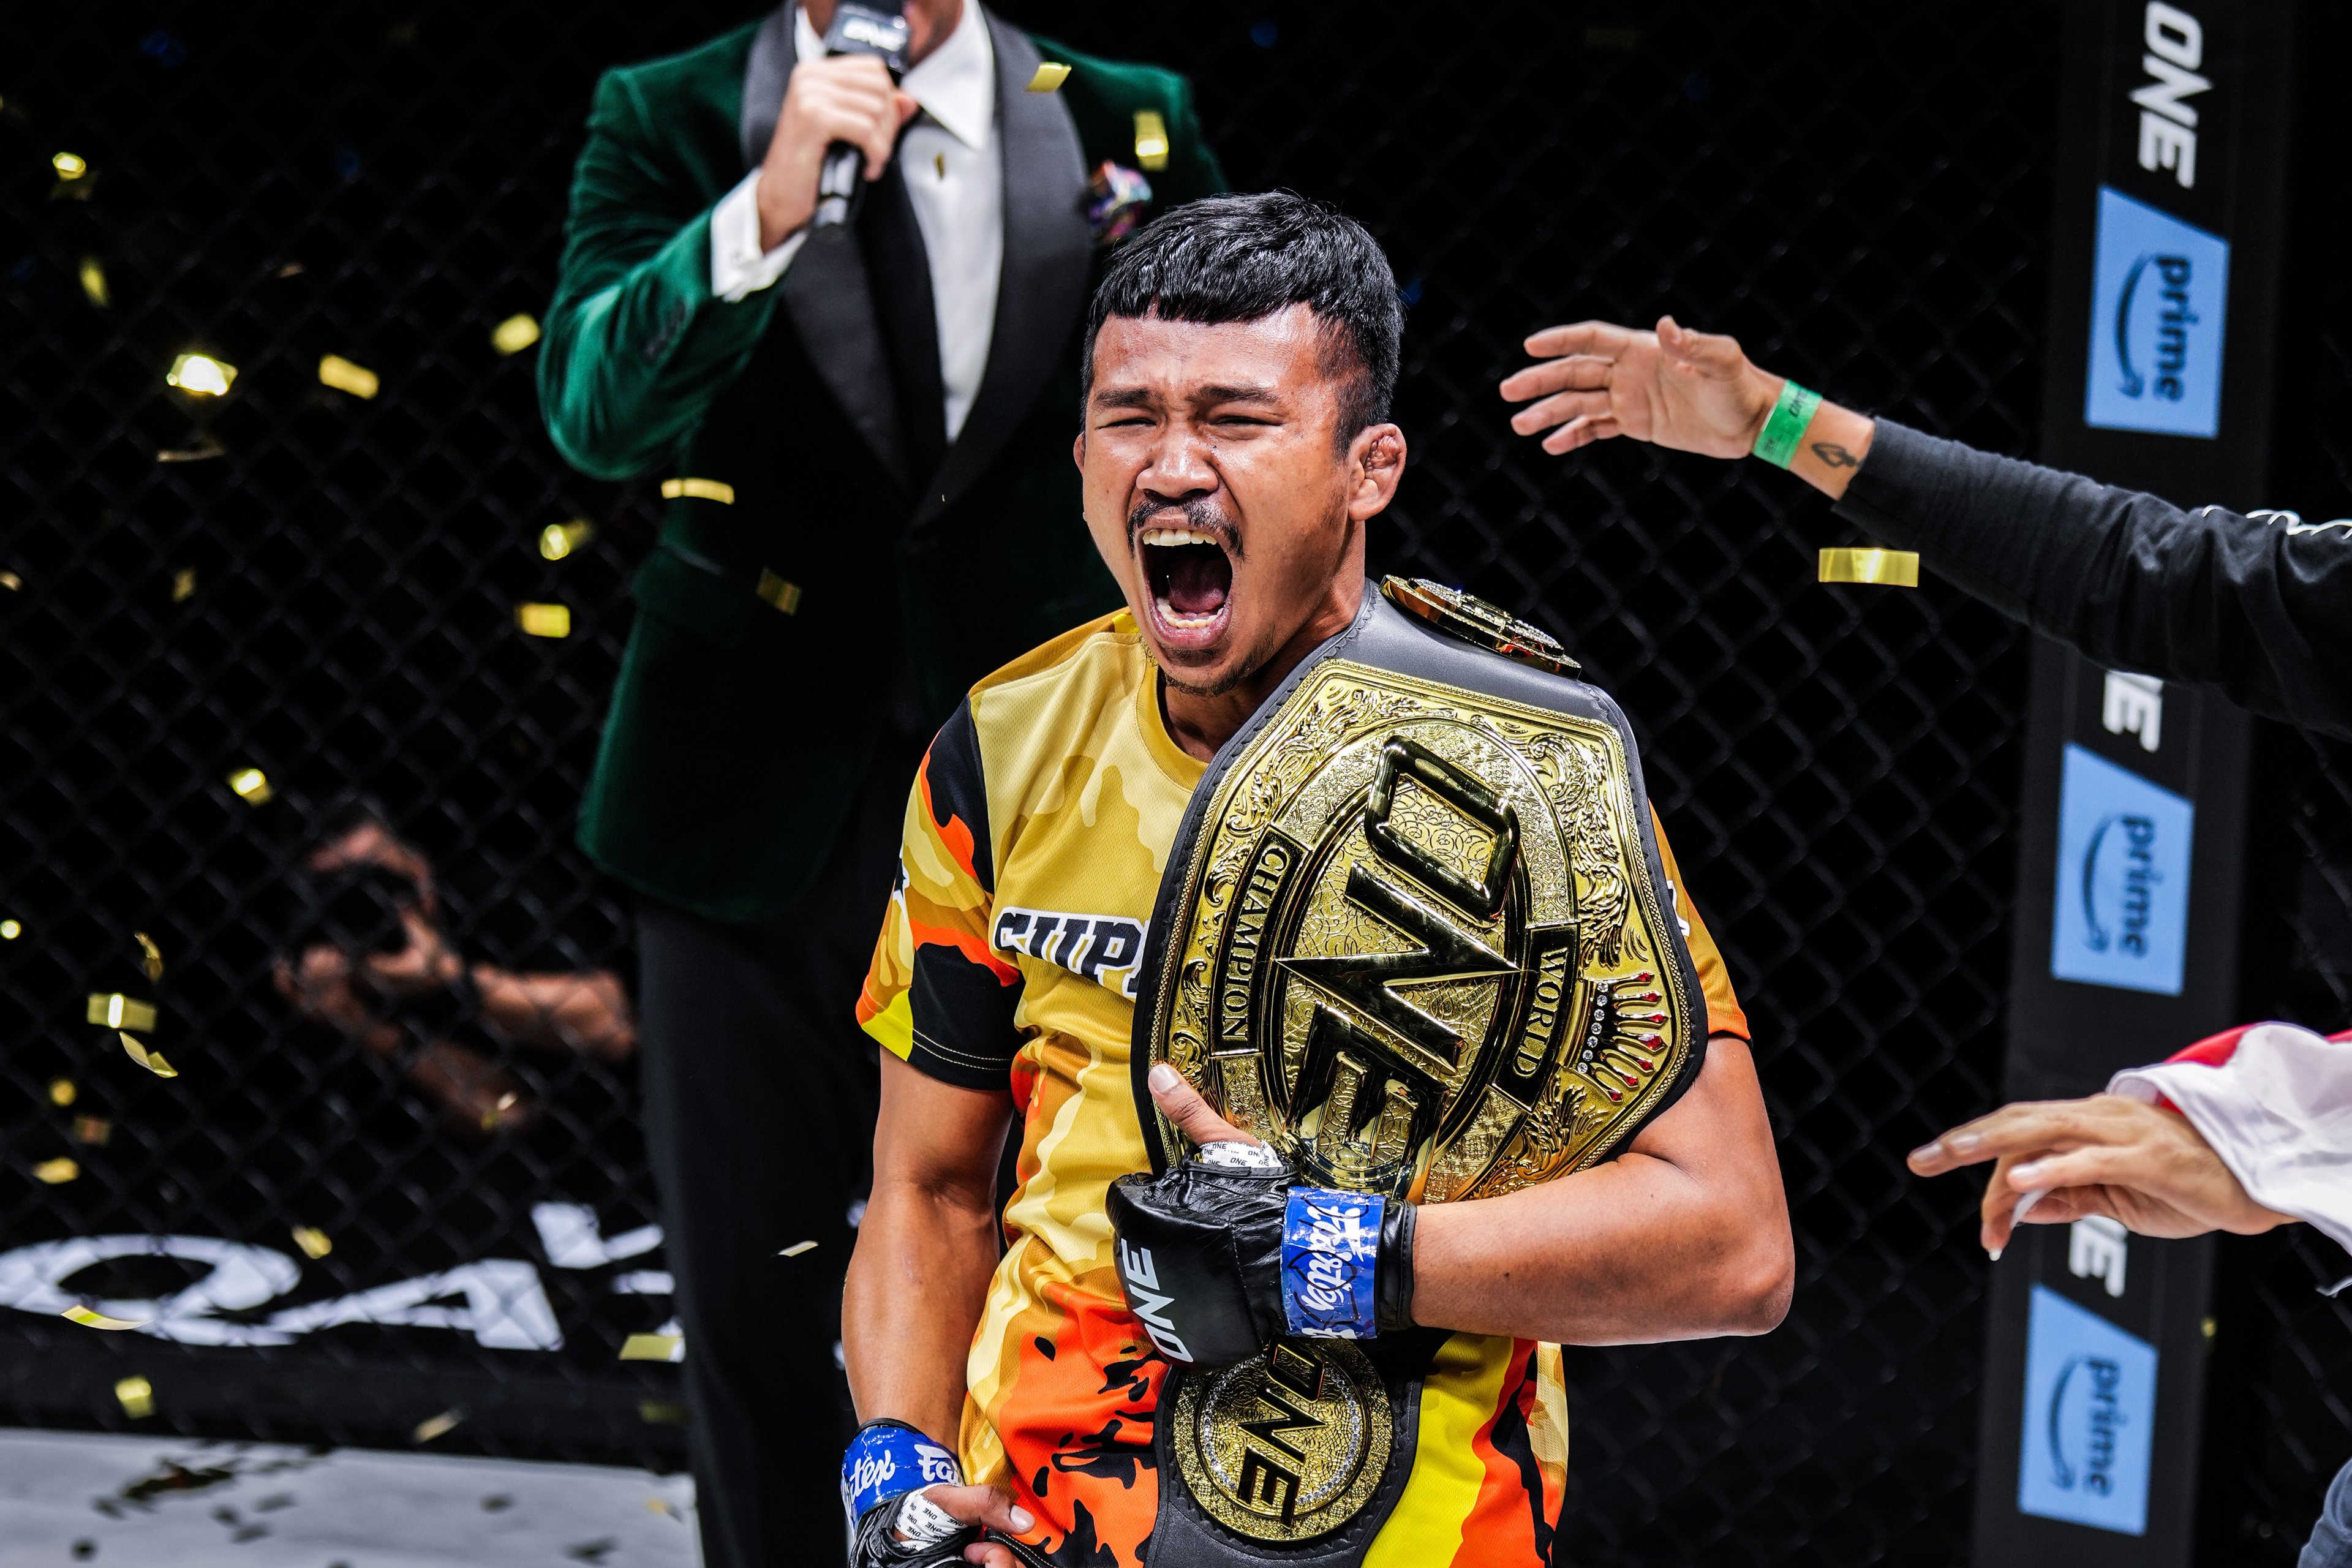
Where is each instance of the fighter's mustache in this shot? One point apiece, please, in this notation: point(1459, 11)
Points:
point(1200, 514)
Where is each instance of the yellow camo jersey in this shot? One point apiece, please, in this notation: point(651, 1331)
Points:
point(1036, 834)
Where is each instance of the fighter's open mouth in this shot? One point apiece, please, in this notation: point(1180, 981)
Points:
point(1191, 579)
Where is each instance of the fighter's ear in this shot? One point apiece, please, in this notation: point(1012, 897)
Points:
point(1375, 465)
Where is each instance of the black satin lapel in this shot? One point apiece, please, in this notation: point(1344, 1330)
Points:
point(899, 268)
point(764, 75)
point(1041, 291)
point(832, 305)
point(825, 289)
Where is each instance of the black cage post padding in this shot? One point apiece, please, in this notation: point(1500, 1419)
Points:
point(1859, 192)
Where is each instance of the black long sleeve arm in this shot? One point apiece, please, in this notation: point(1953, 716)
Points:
point(2259, 607)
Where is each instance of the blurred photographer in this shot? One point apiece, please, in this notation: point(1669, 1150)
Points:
point(365, 951)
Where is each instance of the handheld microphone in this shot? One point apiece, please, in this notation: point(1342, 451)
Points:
point(859, 27)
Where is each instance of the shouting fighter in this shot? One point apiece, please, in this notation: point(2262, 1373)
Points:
point(1241, 353)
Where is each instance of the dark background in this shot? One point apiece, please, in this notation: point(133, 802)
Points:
point(1859, 192)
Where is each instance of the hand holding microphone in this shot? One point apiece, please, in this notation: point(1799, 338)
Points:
point(840, 112)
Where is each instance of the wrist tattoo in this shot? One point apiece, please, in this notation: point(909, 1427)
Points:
point(1833, 456)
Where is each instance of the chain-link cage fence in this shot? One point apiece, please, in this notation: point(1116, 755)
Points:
point(435, 1207)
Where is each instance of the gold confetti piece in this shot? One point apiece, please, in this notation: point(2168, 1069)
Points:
point(183, 584)
point(93, 1130)
point(315, 1243)
point(116, 1011)
point(653, 1347)
point(202, 374)
point(1151, 139)
point(340, 374)
point(63, 1092)
point(796, 1248)
point(206, 448)
point(151, 957)
point(785, 596)
point(1051, 75)
point(514, 334)
point(138, 1397)
point(558, 539)
point(151, 1060)
point(90, 1319)
point(10, 581)
point(292, 270)
point(251, 784)
point(662, 1413)
point(56, 1171)
point(544, 620)
point(10, 930)
point(719, 490)
point(1894, 568)
point(69, 165)
point(93, 282)
point(433, 1427)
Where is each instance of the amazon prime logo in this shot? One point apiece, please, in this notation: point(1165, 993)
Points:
point(2122, 915)
point(2090, 1407)
point(2159, 290)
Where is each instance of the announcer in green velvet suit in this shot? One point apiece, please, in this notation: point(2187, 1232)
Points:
point(865, 433)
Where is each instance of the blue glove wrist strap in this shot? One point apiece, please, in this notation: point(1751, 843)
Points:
point(890, 1458)
point(1331, 1254)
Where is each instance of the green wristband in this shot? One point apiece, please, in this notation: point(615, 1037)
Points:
point(1777, 442)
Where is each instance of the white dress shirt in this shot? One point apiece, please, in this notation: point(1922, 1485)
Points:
point(955, 180)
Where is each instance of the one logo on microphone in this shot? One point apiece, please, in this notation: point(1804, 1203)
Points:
point(2090, 1404)
point(2159, 290)
point(2122, 909)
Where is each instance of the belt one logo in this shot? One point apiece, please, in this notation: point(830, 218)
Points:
point(2085, 1413)
point(2119, 882)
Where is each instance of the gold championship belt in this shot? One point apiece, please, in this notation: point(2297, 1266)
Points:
point(1415, 935)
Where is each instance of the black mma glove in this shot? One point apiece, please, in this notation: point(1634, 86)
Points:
point(892, 1524)
point(1223, 1255)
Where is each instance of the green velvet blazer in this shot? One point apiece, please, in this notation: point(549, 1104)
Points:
point(772, 629)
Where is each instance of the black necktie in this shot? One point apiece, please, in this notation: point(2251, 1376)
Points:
point(901, 275)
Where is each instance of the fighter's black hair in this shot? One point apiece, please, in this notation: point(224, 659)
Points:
point(1242, 259)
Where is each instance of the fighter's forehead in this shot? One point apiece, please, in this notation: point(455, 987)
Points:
point(1275, 355)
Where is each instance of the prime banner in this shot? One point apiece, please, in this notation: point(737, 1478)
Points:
point(2167, 224)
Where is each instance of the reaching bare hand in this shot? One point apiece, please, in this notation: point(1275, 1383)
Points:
point(2146, 1168)
point(1694, 392)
